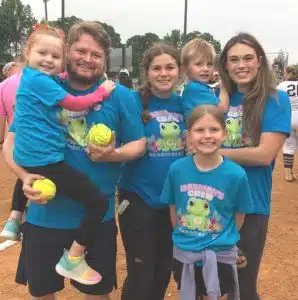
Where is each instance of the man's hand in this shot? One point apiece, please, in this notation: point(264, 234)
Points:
point(101, 153)
point(30, 193)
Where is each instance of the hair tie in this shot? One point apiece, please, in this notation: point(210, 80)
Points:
point(46, 27)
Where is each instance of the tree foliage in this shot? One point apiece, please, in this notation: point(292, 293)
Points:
point(279, 65)
point(178, 40)
point(115, 37)
point(139, 44)
point(175, 38)
point(69, 21)
point(16, 21)
point(66, 24)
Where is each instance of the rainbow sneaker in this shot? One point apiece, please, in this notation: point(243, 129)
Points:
point(79, 271)
point(11, 230)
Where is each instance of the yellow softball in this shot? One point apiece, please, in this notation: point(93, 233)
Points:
point(100, 135)
point(47, 188)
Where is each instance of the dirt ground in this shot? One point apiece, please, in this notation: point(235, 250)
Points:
point(278, 275)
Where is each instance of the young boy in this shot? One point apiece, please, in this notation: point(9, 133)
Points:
point(198, 58)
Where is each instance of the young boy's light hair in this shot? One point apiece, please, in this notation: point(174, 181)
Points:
point(197, 48)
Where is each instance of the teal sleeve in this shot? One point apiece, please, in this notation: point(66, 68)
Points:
point(243, 199)
point(46, 89)
point(132, 127)
point(195, 94)
point(168, 191)
point(277, 114)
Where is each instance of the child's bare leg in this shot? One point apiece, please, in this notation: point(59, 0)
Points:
point(76, 250)
point(16, 215)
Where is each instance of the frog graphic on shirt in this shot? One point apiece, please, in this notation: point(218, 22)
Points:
point(199, 216)
point(171, 140)
point(234, 131)
point(76, 127)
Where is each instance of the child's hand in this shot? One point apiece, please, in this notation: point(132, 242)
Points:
point(108, 85)
point(241, 260)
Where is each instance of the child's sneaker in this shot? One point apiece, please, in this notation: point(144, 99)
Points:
point(11, 230)
point(78, 271)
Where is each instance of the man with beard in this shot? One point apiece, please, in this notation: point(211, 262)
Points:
point(50, 228)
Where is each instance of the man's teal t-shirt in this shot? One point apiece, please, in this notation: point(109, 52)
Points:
point(165, 144)
point(276, 118)
point(206, 203)
point(121, 114)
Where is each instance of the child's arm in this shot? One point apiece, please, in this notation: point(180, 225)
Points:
point(239, 220)
point(224, 98)
point(79, 103)
point(173, 215)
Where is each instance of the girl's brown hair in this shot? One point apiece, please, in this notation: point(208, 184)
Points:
point(145, 89)
point(215, 111)
point(261, 88)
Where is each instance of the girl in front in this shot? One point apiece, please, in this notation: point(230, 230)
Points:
point(208, 196)
point(40, 143)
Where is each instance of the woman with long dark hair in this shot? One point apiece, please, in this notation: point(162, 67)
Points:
point(258, 122)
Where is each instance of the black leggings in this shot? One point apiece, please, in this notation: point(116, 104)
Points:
point(147, 237)
point(75, 185)
point(252, 241)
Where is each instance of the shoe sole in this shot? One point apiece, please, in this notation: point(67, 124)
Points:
point(69, 275)
point(6, 235)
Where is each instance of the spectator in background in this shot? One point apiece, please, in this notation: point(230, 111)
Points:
point(8, 89)
point(125, 79)
point(123, 69)
point(10, 68)
point(290, 86)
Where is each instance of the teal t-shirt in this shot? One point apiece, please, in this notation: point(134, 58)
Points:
point(206, 203)
point(40, 136)
point(121, 114)
point(276, 118)
point(165, 144)
point(197, 93)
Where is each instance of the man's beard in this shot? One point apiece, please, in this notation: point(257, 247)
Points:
point(82, 79)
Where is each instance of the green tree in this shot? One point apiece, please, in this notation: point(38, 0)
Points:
point(115, 37)
point(68, 22)
point(139, 44)
point(279, 65)
point(175, 38)
point(16, 21)
point(178, 40)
